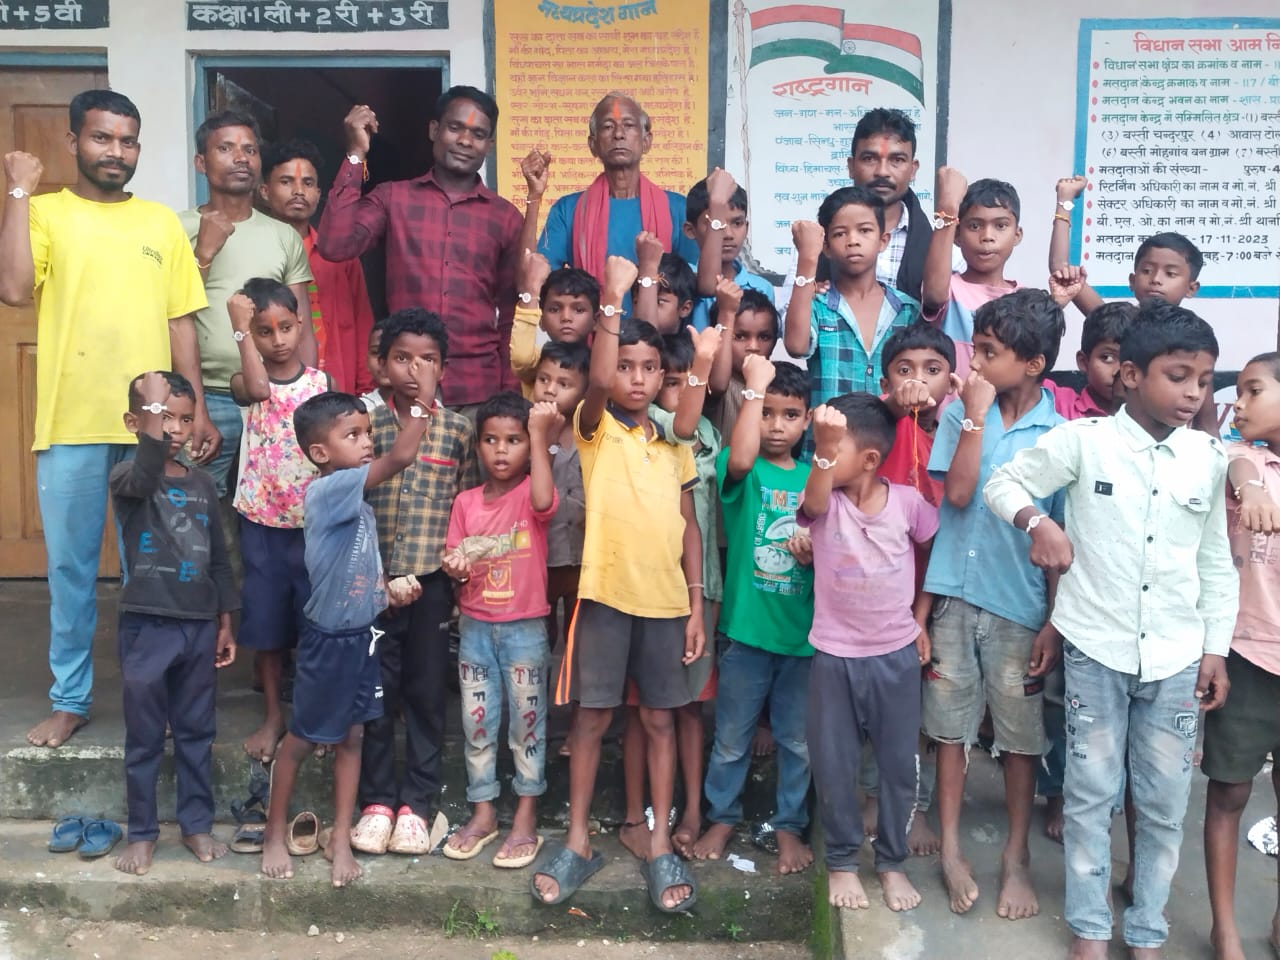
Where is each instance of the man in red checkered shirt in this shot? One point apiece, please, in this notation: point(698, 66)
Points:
point(452, 243)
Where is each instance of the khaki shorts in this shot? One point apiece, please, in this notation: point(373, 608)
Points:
point(979, 661)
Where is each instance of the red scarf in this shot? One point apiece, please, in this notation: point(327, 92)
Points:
point(591, 222)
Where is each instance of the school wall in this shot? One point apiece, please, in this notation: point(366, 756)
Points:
point(1013, 116)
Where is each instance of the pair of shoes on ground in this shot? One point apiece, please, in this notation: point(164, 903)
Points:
point(483, 839)
point(571, 871)
point(91, 837)
point(382, 830)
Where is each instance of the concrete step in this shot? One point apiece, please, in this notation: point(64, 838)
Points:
point(419, 892)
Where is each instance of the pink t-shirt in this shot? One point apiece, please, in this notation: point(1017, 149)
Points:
point(864, 579)
point(510, 583)
point(1074, 404)
point(956, 318)
point(1257, 557)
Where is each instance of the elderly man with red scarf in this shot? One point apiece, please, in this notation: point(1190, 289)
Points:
point(583, 229)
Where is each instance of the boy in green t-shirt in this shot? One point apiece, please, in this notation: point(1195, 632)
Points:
point(767, 609)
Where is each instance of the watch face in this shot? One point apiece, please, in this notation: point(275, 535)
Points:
point(718, 224)
point(646, 282)
point(609, 310)
point(822, 463)
point(17, 193)
point(1067, 204)
point(526, 298)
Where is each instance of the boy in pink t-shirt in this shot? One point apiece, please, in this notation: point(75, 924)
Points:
point(869, 640)
point(1239, 737)
point(496, 550)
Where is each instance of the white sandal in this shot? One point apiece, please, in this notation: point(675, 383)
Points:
point(411, 835)
point(373, 831)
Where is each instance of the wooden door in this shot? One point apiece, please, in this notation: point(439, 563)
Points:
point(33, 117)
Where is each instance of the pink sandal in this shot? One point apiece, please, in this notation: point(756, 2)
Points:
point(373, 831)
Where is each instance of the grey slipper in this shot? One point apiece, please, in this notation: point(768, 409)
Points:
point(567, 869)
point(662, 874)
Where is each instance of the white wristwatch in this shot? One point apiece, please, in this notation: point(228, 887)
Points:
point(695, 382)
point(749, 394)
point(238, 336)
point(646, 282)
point(822, 463)
point(18, 193)
point(804, 281)
point(525, 298)
point(1067, 205)
point(154, 407)
point(1035, 521)
point(354, 160)
point(718, 224)
point(968, 426)
point(609, 310)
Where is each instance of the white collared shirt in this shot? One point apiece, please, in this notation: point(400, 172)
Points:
point(1152, 587)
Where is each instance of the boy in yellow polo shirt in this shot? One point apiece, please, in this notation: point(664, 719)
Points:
point(639, 612)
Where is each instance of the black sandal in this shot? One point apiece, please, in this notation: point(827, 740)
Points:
point(251, 813)
point(667, 871)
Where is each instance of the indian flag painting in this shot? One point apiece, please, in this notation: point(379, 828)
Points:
point(820, 32)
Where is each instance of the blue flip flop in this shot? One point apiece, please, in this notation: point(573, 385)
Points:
point(100, 838)
point(68, 833)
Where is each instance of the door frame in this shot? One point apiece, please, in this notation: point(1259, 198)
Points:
point(203, 62)
point(49, 59)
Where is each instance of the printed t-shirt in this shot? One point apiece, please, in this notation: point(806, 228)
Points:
point(956, 317)
point(1257, 558)
point(347, 587)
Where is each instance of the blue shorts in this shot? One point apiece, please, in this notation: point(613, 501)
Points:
point(276, 586)
point(337, 683)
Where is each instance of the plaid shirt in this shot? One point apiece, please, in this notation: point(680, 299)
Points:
point(455, 256)
point(412, 508)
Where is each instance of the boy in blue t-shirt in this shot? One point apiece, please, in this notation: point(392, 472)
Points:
point(767, 611)
point(715, 211)
point(337, 686)
point(991, 640)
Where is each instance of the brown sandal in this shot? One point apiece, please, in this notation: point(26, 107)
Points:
point(304, 835)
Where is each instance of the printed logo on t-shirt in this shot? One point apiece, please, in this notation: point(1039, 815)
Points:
point(775, 567)
point(154, 254)
point(1102, 487)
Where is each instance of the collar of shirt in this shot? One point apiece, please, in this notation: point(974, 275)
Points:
point(889, 311)
point(478, 190)
point(1180, 441)
point(631, 423)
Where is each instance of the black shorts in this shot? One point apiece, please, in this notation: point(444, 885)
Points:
point(1238, 737)
point(606, 647)
point(337, 683)
point(276, 586)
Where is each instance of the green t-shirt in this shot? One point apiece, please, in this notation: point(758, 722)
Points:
point(706, 449)
point(768, 596)
point(259, 247)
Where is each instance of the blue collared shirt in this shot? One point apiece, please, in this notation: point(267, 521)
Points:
point(977, 556)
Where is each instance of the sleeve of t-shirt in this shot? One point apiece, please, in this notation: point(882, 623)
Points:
point(457, 523)
point(922, 516)
point(803, 519)
point(338, 497)
point(688, 469)
point(730, 489)
point(557, 234)
point(297, 269)
point(945, 439)
point(543, 517)
point(39, 241)
point(937, 315)
point(186, 289)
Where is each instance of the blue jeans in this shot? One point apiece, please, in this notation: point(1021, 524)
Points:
point(71, 484)
point(1108, 711)
point(497, 662)
point(225, 414)
point(750, 677)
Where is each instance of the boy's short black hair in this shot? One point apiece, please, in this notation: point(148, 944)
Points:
point(884, 120)
point(488, 106)
point(1107, 322)
point(274, 154)
point(378, 326)
point(570, 356)
point(633, 330)
point(753, 301)
point(571, 282)
point(266, 293)
point(221, 120)
point(850, 196)
point(991, 193)
point(1271, 360)
point(917, 336)
point(789, 381)
point(1178, 244)
point(697, 201)
point(107, 100)
point(870, 421)
point(316, 416)
point(418, 321)
point(675, 274)
point(1161, 328)
point(677, 352)
point(508, 403)
point(1028, 321)
point(179, 386)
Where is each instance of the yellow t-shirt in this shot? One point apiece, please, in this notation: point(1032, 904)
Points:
point(635, 531)
point(109, 278)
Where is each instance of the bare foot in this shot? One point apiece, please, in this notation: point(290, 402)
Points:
point(1017, 896)
point(870, 815)
point(958, 876)
point(1053, 819)
point(136, 858)
point(547, 886)
point(686, 835)
point(205, 847)
point(844, 889)
point(343, 868)
point(899, 893)
point(763, 744)
point(261, 744)
point(1226, 943)
point(921, 840)
point(474, 830)
point(711, 845)
point(1087, 949)
point(276, 863)
point(794, 854)
point(56, 729)
point(635, 837)
point(673, 896)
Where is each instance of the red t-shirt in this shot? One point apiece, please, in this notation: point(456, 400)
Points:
point(908, 461)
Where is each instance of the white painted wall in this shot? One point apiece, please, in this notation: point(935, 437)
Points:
point(1013, 116)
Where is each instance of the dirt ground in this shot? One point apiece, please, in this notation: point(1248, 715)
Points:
point(41, 936)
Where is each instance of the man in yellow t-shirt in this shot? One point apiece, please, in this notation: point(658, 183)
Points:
point(116, 288)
